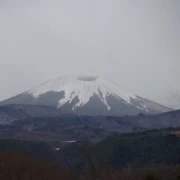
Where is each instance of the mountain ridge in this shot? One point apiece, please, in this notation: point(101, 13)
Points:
point(48, 124)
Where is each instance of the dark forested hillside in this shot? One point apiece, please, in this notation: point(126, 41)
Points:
point(150, 147)
point(48, 124)
point(151, 155)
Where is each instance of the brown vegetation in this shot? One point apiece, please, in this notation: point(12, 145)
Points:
point(176, 132)
point(14, 166)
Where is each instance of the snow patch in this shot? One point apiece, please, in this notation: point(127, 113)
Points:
point(83, 88)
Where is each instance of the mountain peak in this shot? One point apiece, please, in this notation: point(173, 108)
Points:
point(87, 95)
point(83, 88)
point(88, 78)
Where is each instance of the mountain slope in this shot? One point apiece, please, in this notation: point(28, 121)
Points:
point(87, 96)
point(22, 122)
point(11, 113)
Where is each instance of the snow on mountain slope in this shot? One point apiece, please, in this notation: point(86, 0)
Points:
point(84, 88)
point(87, 95)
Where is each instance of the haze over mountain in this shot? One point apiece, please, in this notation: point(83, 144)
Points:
point(87, 95)
point(134, 43)
point(170, 99)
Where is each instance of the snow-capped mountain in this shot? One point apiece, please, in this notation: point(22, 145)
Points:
point(87, 96)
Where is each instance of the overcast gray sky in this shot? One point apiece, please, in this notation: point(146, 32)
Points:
point(135, 43)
